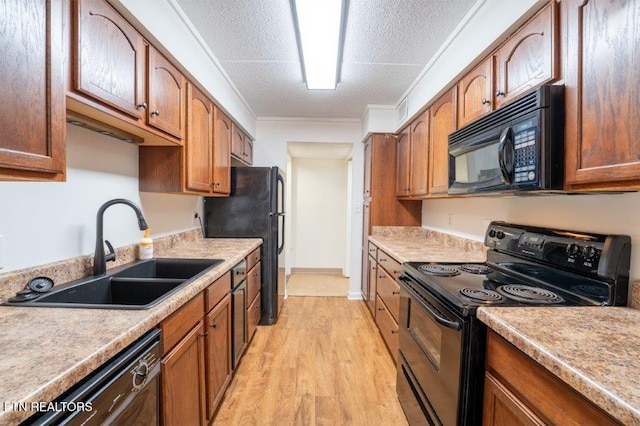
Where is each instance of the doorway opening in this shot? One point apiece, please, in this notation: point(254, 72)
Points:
point(319, 194)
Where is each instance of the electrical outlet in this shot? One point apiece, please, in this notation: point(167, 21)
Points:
point(450, 219)
point(1, 251)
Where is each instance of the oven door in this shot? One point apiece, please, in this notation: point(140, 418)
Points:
point(431, 348)
point(482, 162)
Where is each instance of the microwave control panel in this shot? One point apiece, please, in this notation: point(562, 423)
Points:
point(525, 168)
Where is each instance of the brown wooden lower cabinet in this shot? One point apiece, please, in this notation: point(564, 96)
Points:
point(196, 367)
point(519, 391)
point(218, 353)
point(183, 400)
point(388, 327)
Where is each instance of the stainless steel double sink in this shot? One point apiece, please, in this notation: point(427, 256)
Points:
point(137, 285)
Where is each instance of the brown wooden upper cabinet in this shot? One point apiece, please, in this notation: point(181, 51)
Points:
point(221, 161)
point(32, 134)
point(475, 93)
point(241, 145)
point(120, 80)
point(202, 166)
point(602, 48)
point(529, 57)
point(199, 144)
point(413, 156)
point(442, 121)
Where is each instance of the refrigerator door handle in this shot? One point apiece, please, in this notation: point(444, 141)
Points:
point(281, 247)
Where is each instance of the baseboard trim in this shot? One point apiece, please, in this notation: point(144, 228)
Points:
point(355, 295)
point(328, 271)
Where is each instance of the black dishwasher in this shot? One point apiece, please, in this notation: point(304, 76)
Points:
point(124, 391)
point(238, 311)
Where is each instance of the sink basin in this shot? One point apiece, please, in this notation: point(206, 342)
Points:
point(138, 285)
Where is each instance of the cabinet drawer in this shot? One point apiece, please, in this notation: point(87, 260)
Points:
point(253, 258)
point(389, 291)
point(217, 291)
point(388, 328)
point(373, 250)
point(181, 322)
point(389, 264)
point(254, 282)
point(253, 317)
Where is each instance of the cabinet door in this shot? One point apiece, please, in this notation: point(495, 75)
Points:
point(237, 142)
point(367, 167)
point(167, 91)
point(183, 388)
point(475, 93)
point(602, 92)
point(110, 58)
point(221, 153)
point(199, 141)
point(403, 161)
point(218, 356)
point(388, 327)
point(32, 111)
point(419, 155)
point(529, 58)
point(373, 275)
point(442, 121)
point(253, 317)
point(501, 407)
point(248, 150)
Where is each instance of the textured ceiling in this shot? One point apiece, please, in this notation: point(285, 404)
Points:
point(387, 44)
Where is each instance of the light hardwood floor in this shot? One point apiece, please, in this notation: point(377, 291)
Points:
point(323, 363)
point(305, 284)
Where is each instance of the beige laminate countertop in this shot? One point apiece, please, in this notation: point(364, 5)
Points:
point(420, 249)
point(45, 351)
point(596, 350)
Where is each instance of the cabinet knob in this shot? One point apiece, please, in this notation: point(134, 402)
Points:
point(214, 325)
point(394, 331)
point(381, 309)
point(499, 93)
point(205, 334)
point(142, 105)
point(156, 113)
point(395, 292)
point(486, 101)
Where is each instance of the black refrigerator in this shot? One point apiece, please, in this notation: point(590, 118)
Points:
point(255, 209)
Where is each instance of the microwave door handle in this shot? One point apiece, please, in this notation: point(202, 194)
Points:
point(505, 155)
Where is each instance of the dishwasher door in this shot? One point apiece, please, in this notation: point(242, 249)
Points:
point(124, 391)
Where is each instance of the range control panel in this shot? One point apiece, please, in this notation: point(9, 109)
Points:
point(595, 254)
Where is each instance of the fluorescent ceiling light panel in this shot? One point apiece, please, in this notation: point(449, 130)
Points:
point(319, 27)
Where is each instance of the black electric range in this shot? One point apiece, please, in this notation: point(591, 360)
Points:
point(442, 343)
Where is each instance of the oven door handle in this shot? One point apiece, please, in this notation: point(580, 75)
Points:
point(455, 325)
point(505, 155)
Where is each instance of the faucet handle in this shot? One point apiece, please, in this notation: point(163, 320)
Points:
point(111, 256)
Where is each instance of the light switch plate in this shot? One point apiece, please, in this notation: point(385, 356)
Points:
point(1, 251)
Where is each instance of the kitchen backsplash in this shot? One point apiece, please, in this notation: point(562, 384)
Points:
point(82, 266)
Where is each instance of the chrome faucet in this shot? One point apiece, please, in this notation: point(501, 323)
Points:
point(99, 258)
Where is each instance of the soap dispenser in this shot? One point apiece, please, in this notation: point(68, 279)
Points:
point(146, 246)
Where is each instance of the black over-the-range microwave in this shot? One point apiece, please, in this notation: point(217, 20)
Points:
point(519, 147)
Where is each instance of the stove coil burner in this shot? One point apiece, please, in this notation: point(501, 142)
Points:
point(481, 295)
point(473, 268)
point(528, 294)
point(439, 270)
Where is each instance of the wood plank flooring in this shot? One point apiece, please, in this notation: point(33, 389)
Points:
point(323, 363)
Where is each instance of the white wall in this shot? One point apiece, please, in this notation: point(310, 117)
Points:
point(47, 221)
point(608, 214)
point(319, 188)
point(270, 149)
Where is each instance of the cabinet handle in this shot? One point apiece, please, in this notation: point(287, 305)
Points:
point(396, 272)
point(499, 93)
point(142, 105)
point(205, 334)
point(485, 101)
point(394, 331)
point(395, 292)
point(214, 325)
point(381, 309)
point(156, 113)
